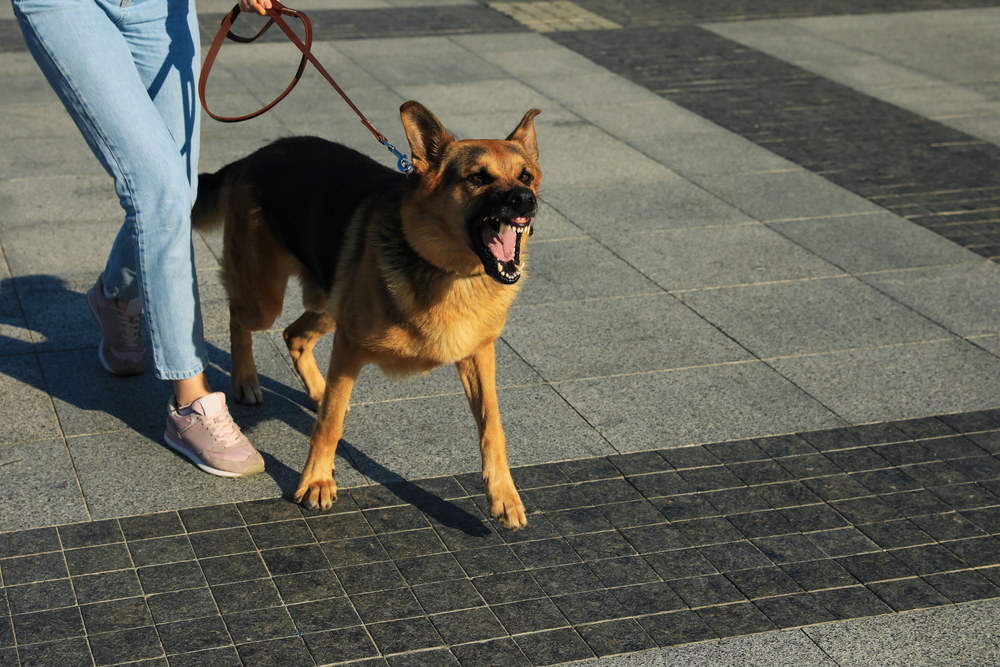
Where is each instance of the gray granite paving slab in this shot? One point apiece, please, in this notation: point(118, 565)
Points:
point(38, 486)
point(47, 157)
point(641, 207)
point(961, 297)
point(581, 339)
point(550, 225)
point(702, 155)
point(956, 635)
point(29, 202)
point(876, 242)
point(599, 164)
point(15, 338)
point(898, 382)
point(487, 96)
point(679, 259)
point(90, 400)
point(784, 195)
point(810, 316)
point(675, 408)
point(24, 393)
point(23, 120)
point(575, 269)
point(135, 472)
point(437, 435)
point(73, 252)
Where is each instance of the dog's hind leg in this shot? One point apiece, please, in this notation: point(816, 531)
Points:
point(301, 337)
point(317, 489)
point(478, 373)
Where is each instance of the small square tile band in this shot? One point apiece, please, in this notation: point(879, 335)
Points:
point(621, 554)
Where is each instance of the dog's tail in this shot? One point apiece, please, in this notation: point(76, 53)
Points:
point(209, 210)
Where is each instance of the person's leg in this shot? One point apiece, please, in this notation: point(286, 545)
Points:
point(126, 76)
point(90, 64)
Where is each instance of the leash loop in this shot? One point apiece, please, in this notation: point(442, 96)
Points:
point(275, 12)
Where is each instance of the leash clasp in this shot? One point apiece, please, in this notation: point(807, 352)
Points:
point(403, 164)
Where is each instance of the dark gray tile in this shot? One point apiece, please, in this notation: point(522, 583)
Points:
point(342, 645)
point(929, 559)
point(106, 586)
point(854, 602)
point(48, 625)
point(590, 607)
point(654, 538)
point(29, 569)
point(817, 575)
point(149, 526)
point(733, 620)
point(908, 594)
point(182, 605)
point(211, 518)
point(246, 596)
point(405, 635)
point(566, 579)
point(495, 652)
point(709, 530)
point(624, 571)
point(588, 470)
point(28, 542)
point(292, 560)
point(734, 556)
point(65, 653)
point(784, 549)
point(115, 615)
point(706, 591)
point(290, 651)
point(329, 614)
point(429, 569)
point(412, 543)
point(874, 567)
point(964, 586)
point(161, 550)
point(390, 605)
point(91, 533)
point(468, 625)
point(308, 586)
point(638, 463)
point(792, 611)
point(222, 542)
point(616, 637)
point(761, 524)
point(272, 509)
point(895, 534)
point(105, 558)
point(651, 598)
point(763, 582)
point(171, 577)
point(393, 519)
point(553, 647)
point(40, 596)
point(676, 628)
point(529, 616)
point(450, 596)
point(355, 551)
point(131, 645)
point(491, 560)
point(340, 526)
point(545, 553)
point(259, 625)
point(370, 578)
point(842, 542)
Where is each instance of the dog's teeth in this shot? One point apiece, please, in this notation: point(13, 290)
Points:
point(499, 267)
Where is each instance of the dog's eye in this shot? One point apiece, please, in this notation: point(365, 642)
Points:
point(526, 177)
point(478, 178)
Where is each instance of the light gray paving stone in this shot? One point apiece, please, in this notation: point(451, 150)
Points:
point(373, 386)
point(507, 42)
point(499, 124)
point(899, 382)
point(432, 436)
point(47, 157)
point(72, 253)
point(15, 337)
point(56, 312)
point(641, 207)
point(38, 486)
point(810, 316)
point(705, 156)
point(583, 339)
point(785, 195)
point(486, 96)
point(550, 225)
point(575, 269)
point(24, 401)
point(720, 256)
point(876, 242)
point(600, 164)
point(595, 87)
point(645, 411)
point(23, 120)
point(961, 297)
point(954, 635)
point(30, 202)
point(532, 66)
point(88, 399)
point(135, 472)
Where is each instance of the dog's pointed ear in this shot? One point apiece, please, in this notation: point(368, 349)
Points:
point(525, 133)
point(426, 135)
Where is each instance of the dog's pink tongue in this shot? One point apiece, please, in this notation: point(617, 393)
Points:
point(501, 246)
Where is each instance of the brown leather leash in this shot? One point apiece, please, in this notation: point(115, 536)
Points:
point(275, 12)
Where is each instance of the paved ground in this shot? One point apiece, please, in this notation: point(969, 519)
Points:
point(751, 386)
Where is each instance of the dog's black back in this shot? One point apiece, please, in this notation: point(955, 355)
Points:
point(329, 182)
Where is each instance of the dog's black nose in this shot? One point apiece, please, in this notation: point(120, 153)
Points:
point(521, 200)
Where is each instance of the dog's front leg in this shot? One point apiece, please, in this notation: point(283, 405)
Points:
point(478, 373)
point(317, 490)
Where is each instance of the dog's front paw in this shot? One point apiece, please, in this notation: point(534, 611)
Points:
point(507, 508)
point(316, 494)
point(248, 394)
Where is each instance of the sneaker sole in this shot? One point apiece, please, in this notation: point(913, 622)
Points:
point(178, 446)
point(100, 348)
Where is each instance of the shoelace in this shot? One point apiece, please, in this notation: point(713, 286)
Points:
point(223, 428)
point(128, 326)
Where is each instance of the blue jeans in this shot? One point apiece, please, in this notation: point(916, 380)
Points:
point(126, 73)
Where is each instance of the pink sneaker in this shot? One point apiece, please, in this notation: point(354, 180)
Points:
point(206, 433)
point(122, 350)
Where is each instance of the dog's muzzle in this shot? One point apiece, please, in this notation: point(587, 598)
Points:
point(497, 234)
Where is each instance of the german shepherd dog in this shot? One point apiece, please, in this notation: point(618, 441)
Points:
point(411, 271)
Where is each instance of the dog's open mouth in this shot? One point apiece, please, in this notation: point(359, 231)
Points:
point(498, 243)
